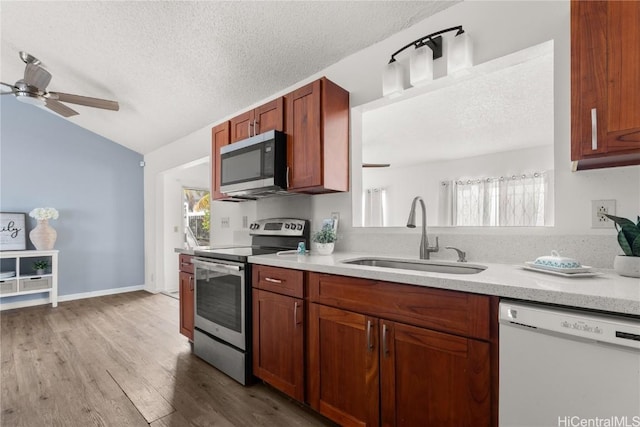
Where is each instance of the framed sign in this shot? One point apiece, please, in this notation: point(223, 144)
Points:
point(13, 231)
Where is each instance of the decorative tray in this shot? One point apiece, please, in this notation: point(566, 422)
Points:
point(584, 271)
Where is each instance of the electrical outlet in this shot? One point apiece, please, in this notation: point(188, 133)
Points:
point(224, 222)
point(598, 209)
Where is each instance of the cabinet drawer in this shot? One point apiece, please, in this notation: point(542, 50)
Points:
point(8, 286)
point(185, 263)
point(456, 312)
point(34, 283)
point(279, 280)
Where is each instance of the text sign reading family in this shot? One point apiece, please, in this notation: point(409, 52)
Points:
point(12, 231)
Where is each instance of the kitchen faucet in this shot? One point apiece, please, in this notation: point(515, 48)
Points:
point(425, 249)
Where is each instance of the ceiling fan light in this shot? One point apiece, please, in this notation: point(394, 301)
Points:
point(392, 80)
point(421, 65)
point(38, 101)
point(459, 53)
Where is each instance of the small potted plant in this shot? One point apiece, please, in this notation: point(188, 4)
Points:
point(629, 240)
point(40, 266)
point(325, 239)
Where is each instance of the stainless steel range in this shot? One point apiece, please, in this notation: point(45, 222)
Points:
point(222, 334)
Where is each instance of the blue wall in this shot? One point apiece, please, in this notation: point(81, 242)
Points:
point(96, 185)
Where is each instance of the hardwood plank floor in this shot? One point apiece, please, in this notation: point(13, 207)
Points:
point(119, 361)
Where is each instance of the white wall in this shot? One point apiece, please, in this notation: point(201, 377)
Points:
point(497, 28)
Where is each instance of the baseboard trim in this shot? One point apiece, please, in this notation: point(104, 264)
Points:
point(70, 297)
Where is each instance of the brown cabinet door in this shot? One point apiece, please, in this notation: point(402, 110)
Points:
point(186, 304)
point(605, 81)
point(242, 126)
point(269, 116)
point(219, 138)
point(431, 378)
point(278, 339)
point(304, 147)
point(343, 369)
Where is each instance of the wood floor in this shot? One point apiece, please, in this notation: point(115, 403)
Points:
point(120, 361)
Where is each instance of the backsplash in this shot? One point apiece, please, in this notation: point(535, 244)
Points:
point(594, 251)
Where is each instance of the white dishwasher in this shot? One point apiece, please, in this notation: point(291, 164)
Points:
point(566, 368)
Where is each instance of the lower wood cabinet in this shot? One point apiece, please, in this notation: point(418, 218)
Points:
point(431, 378)
point(370, 353)
point(187, 295)
point(343, 366)
point(369, 366)
point(186, 304)
point(278, 329)
point(278, 356)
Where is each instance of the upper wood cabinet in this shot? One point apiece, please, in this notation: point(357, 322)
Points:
point(317, 127)
point(219, 138)
point(605, 83)
point(269, 116)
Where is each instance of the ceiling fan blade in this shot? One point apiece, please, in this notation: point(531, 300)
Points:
point(6, 88)
point(36, 76)
point(376, 165)
point(85, 100)
point(60, 108)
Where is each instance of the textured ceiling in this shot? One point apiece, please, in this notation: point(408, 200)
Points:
point(176, 67)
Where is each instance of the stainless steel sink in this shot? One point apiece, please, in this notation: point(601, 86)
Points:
point(418, 265)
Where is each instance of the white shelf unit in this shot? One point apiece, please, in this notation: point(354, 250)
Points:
point(28, 273)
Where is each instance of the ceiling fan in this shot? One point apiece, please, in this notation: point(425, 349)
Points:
point(32, 90)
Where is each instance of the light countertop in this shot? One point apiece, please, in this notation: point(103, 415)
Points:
point(606, 292)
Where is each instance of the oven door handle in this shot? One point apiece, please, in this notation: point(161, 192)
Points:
point(217, 266)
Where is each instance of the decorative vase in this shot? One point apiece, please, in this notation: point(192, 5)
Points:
point(43, 236)
point(324, 248)
point(628, 266)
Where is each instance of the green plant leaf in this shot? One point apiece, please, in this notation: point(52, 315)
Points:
point(631, 232)
point(620, 221)
point(635, 247)
point(626, 247)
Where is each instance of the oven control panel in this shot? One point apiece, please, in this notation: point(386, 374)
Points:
point(279, 227)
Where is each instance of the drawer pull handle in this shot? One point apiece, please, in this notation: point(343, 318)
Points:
point(269, 279)
point(295, 314)
point(594, 129)
point(385, 346)
point(369, 342)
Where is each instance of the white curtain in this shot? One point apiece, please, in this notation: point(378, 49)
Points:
point(518, 200)
point(374, 207)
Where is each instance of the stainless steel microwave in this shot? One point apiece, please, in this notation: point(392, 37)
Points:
point(255, 166)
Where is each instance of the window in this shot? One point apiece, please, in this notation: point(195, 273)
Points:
point(518, 200)
point(374, 207)
point(196, 216)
